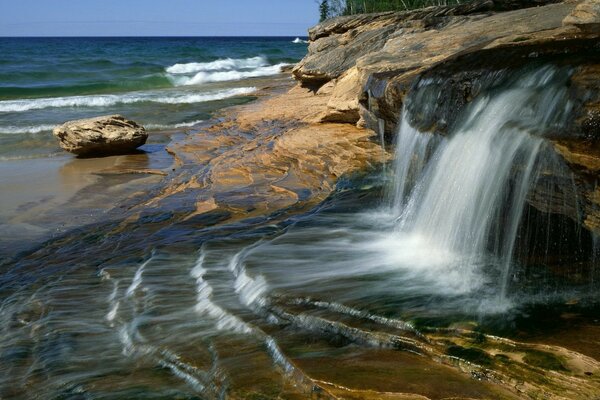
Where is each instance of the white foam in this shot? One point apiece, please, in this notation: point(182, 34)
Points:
point(227, 75)
point(205, 305)
point(180, 125)
point(226, 64)
point(113, 99)
point(29, 157)
point(251, 291)
point(137, 279)
point(298, 40)
point(184, 376)
point(126, 340)
point(26, 129)
point(277, 355)
point(112, 299)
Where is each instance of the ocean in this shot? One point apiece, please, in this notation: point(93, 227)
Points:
point(162, 82)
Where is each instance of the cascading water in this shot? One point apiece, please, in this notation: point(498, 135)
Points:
point(466, 199)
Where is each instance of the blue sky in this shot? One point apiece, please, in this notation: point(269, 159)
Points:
point(157, 17)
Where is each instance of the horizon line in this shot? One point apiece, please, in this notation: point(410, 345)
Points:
point(147, 36)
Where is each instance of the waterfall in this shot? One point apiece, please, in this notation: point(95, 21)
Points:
point(464, 195)
point(412, 148)
point(381, 129)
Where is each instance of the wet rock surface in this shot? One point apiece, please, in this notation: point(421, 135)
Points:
point(369, 63)
point(105, 135)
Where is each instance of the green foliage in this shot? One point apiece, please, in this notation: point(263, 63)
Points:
point(324, 10)
point(351, 7)
point(544, 360)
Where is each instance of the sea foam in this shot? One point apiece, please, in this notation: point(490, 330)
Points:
point(26, 129)
point(226, 64)
point(113, 99)
point(222, 70)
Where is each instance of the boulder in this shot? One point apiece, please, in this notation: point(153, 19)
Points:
point(105, 135)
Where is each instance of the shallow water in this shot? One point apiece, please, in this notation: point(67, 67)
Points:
point(168, 309)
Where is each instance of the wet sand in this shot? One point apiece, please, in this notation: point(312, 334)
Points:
point(45, 197)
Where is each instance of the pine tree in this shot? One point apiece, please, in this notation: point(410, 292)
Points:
point(324, 10)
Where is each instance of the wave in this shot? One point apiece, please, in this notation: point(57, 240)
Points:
point(223, 76)
point(129, 98)
point(222, 70)
point(172, 126)
point(34, 129)
point(298, 40)
point(26, 129)
point(226, 64)
point(27, 86)
point(30, 156)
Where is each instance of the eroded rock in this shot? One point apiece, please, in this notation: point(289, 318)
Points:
point(586, 16)
point(369, 63)
point(105, 135)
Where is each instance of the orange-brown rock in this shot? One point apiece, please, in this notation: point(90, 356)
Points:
point(268, 155)
point(368, 63)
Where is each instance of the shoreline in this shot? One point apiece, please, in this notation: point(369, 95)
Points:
point(271, 149)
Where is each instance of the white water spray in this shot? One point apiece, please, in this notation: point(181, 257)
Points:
point(466, 199)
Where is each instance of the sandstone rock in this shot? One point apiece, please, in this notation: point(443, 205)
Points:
point(368, 64)
point(337, 44)
point(112, 134)
point(586, 16)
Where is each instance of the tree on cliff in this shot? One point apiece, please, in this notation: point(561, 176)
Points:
point(324, 10)
point(335, 8)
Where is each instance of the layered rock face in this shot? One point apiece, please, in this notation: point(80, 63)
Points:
point(112, 134)
point(369, 63)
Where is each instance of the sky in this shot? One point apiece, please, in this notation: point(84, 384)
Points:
point(157, 17)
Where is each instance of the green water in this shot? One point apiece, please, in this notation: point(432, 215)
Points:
point(162, 83)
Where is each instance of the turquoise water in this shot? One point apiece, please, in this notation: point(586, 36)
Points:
point(163, 83)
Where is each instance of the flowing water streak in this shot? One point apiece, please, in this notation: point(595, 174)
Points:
point(251, 292)
point(353, 312)
point(486, 166)
point(204, 303)
point(112, 299)
point(136, 346)
point(137, 278)
point(412, 148)
point(381, 129)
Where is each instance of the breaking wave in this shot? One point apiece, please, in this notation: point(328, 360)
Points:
point(298, 40)
point(10, 129)
point(129, 98)
point(226, 64)
point(179, 125)
point(222, 70)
